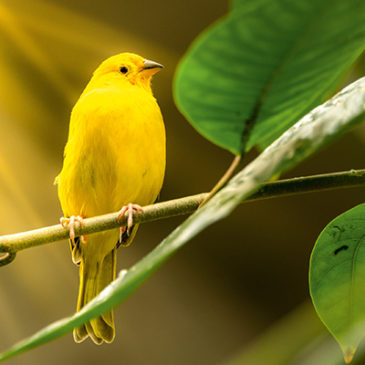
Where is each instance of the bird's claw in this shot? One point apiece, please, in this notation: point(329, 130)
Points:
point(71, 224)
point(129, 210)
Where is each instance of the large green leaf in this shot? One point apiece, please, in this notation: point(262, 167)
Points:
point(303, 139)
point(337, 278)
point(254, 73)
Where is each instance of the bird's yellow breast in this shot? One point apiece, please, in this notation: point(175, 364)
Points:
point(115, 153)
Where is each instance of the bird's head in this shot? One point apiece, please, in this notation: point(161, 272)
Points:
point(128, 67)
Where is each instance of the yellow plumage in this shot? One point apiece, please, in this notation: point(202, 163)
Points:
point(115, 155)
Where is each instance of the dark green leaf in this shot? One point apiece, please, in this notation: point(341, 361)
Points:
point(254, 73)
point(337, 278)
point(312, 132)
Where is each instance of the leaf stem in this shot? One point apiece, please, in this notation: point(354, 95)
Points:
point(10, 244)
point(223, 180)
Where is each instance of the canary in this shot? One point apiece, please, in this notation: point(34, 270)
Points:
point(114, 157)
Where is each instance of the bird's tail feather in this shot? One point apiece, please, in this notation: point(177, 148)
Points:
point(93, 279)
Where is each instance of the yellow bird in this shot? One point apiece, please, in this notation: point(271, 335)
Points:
point(114, 156)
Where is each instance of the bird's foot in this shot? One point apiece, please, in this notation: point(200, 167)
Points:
point(71, 224)
point(128, 210)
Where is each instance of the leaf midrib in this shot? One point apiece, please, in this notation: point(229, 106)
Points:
point(352, 286)
point(297, 41)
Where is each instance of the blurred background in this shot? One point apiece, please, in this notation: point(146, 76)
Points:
point(237, 293)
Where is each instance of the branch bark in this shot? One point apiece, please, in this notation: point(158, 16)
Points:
point(10, 244)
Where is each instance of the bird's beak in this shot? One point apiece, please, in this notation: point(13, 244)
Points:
point(151, 65)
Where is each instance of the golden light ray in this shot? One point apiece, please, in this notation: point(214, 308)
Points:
point(85, 35)
point(13, 92)
point(14, 193)
point(10, 25)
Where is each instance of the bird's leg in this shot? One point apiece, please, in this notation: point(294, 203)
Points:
point(128, 210)
point(71, 223)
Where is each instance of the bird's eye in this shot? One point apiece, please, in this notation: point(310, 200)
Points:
point(123, 70)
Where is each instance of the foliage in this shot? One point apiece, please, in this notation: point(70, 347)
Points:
point(337, 278)
point(253, 74)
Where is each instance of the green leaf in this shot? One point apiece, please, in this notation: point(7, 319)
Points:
point(254, 73)
point(310, 133)
point(337, 278)
point(248, 5)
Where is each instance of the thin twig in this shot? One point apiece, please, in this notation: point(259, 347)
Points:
point(10, 244)
point(223, 180)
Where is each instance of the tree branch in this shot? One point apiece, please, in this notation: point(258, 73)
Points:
point(10, 244)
